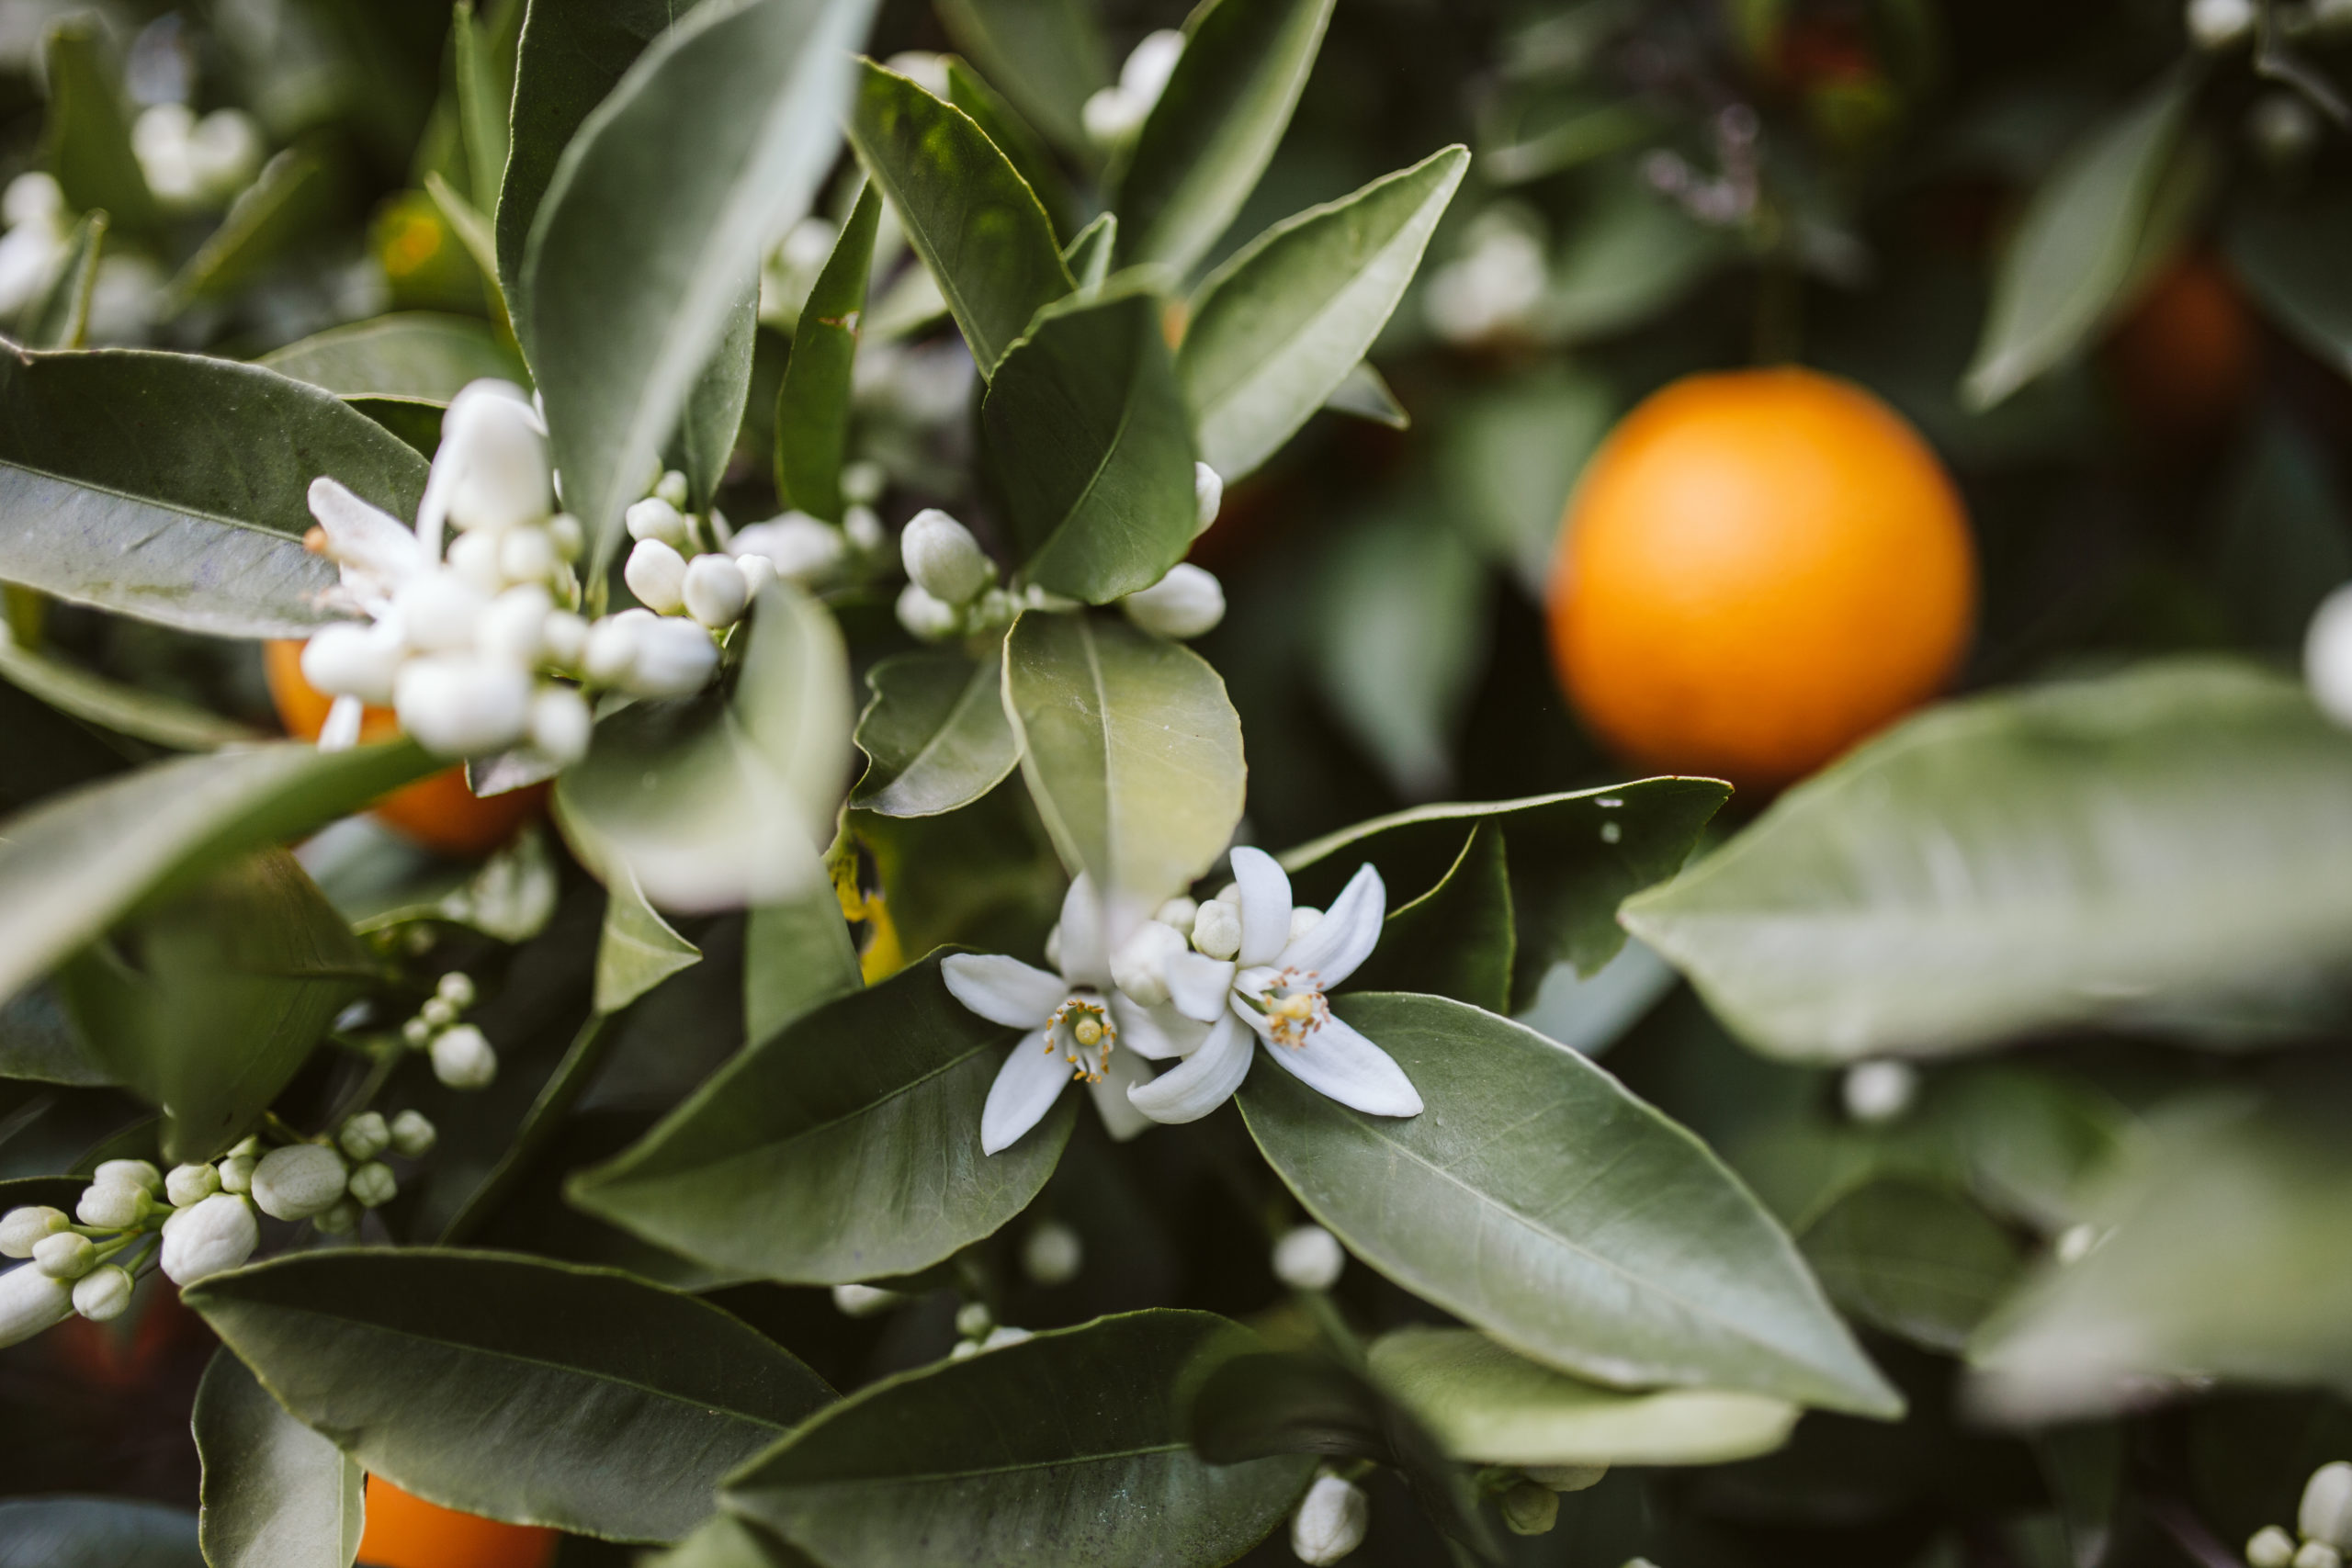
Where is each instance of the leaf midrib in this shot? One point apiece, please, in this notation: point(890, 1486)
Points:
point(1017, 1467)
point(979, 681)
point(170, 508)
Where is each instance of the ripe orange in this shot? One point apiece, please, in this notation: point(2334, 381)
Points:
point(1758, 568)
point(439, 811)
point(2183, 359)
point(405, 1531)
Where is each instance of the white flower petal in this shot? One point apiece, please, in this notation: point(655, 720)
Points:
point(1338, 1062)
point(1120, 1119)
point(1202, 1081)
point(1002, 990)
point(1336, 946)
point(1086, 957)
point(1157, 1032)
point(1024, 1091)
point(376, 552)
point(1265, 906)
point(1198, 986)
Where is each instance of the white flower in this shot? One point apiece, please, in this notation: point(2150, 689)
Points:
point(2326, 1513)
point(491, 471)
point(462, 1057)
point(103, 1293)
point(1330, 1521)
point(1187, 602)
point(943, 559)
point(193, 164)
point(798, 548)
point(217, 1234)
point(1116, 113)
point(715, 591)
point(31, 1301)
point(35, 245)
point(925, 615)
point(356, 658)
point(2327, 656)
point(656, 573)
point(655, 518)
point(1277, 986)
point(462, 705)
point(1139, 968)
point(673, 658)
point(1052, 1254)
point(2270, 1548)
point(299, 1180)
point(560, 723)
point(1077, 1028)
point(24, 1228)
point(1495, 284)
point(1308, 1258)
point(2217, 24)
point(1880, 1091)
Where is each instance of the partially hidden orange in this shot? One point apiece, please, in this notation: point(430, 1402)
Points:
point(406, 1531)
point(439, 812)
point(2183, 359)
point(1758, 568)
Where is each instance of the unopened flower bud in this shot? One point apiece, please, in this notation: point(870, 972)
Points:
point(217, 1234)
point(797, 548)
point(1140, 967)
point(191, 1184)
point(299, 1180)
point(758, 572)
point(655, 518)
point(24, 1228)
point(138, 1173)
point(1880, 1091)
point(1208, 496)
point(973, 1320)
point(674, 659)
point(65, 1256)
point(237, 1173)
point(566, 534)
point(1308, 1258)
point(456, 988)
point(861, 527)
point(103, 1293)
point(1188, 601)
point(943, 559)
point(1330, 1521)
point(864, 1301)
point(1304, 918)
point(862, 483)
point(355, 661)
point(610, 652)
point(714, 592)
point(2217, 24)
point(1217, 930)
point(373, 1185)
point(561, 724)
point(2318, 1554)
point(565, 635)
point(513, 626)
point(672, 488)
point(462, 1059)
point(439, 611)
point(2270, 1548)
point(365, 1137)
point(1004, 1335)
point(417, 1033)
point(525, 555)
point(339, 1218)
point(1052, 1254)
point(412, 1135)
point(31, 1301)
point(460, 705)
point(2327, 656)
point(657, 574)
point(2326, 1511)
point(1530, 1509)
point(924, 615)
point(438, 1012)
point(491, 441)
point(113, 1208)
point(473, 558)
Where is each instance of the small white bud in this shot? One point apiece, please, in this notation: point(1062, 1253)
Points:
point(1330, 1521)
point(2270, 1548)
point(31, 1301)
point(219, 1233)
point(138, 1173)
point(758, 572)
point(999, 1338)
point(1110, 116)
point(864, 1301)
point(797, 548)
point(299, 1180)
point(513, 625)
point(1880, 1091)
point(2217, 24)
point(862, 483)
point(973, 1320)
point(112, 1208)
point(23, 1228)
point(438, 1012)
point(103, 1293)
point(655, 518)
point(610, 652)
point(674, 488)
point(1140, 967)
point(237, 1173)
point(1052, 1254)
point(190, 1184)
point(565, 635)
point(355, 661)
point(714, 592)
point(964, 1350)
point(566, 534)
point(1217, 930)
point(943, 559)
point(657, 574)
point(1310, 1258)
point(373, 1185)
point(65, 1256)
point(2327, 656)
point(861, 527)
point(1208, 496)
point(473, 559)
point(1188, 601)
point(365, 1137)
point(674, 659)
point(497, 455)
point(560, 723)
point(417, 1033)
point(439, 611)
point(31, 198)
point(1150, 63)
point(525, 555)
point(412, 1135)
point(339, 1218)
point(2326, 1511)
point(456, 988)
point(924, 69)
point(1304, 918)
point(461, 705)
point(925, 615)
point(462, 1059)
point(2318, 1554)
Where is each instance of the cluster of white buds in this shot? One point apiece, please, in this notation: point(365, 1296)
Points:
point(193, 164)
point(2323, 1521)
point(34, 246)
point(1116, 113)
point(978, 1331)
point(462, 1054)
point(1214, 929)
point(1308, 1258)
point(2218, 24)
point(1330, 1521)
point(1880, 1091)
point(1492, 289)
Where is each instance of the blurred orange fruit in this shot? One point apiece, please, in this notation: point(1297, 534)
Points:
point(405, 1531)
point(2183, 359)
point(439, 811)
point(1758, 568)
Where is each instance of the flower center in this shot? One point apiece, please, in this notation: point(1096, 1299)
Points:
point(1090, 1029)
point(1294, 1006)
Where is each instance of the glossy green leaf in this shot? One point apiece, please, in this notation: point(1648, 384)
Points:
point(637, 259)
point(2085, 851)
point(1489, 1406)
point(60, 316)
point(638, 950)
point(974, 220)
point(206, 1007)
point(78, 863)
point(796, 957)
point(1060, 1451)
point(411, 353)
point(1002, 124)
point(812, 406)
point(934, 734)
point(175, 489)
point(1572, 857)
point(276, 1495)
point(1215, 127)
point(134, 711)
point(1088, 428)
point(1455, 940)
point(293, 195)
point(1913, 1259)
point(725, 1542)
point(529, 1392)
point(104, 1532)
point(714, 414)
point(85, 134)
point(1048, 54)
point(1539, 1201)
point(38, 1042)
point(1091, 252)
point(2074, 252)
point(1130, 748)
point(1364, 393)
point(2294, 260)
point(472, 226)
point(1277, 330)
point(846, 1148)
point(482, 53)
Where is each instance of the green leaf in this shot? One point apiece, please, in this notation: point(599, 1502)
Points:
point(78, 863)
point(720, 801)
point(1509, 455)
point(1455, 940)
point(1090, 252)
point(846, 1148)
point(60, 316)
point(638, 950)
point(796, 957)
point(1088, 428)
point(1061, 1451)
point(1539, 1201)
point(529, 1392)
point(1572, 857)
point(206, 1007)
point(1489, 1406)
point(1048, 53)
point(714, 414)
point(1002, 125)
point(104, 1532)
point(276, 1495)
point(1279, 328)
point(934, 734)
point(1214, 129)
point(726, 1541)
point(85, 135)
point(2074, 251)
point(637, 259)
point(472, 226)
point(2294, 260)
point(1130, 750)
point(1983, 873)
point(294, 194)
point(1364, 393)
point(126, 710)
point(974, 220)
point(411, 353)
point(176, 489)
point(1634, 255)
point(813, 404)
point(38, 1042)
point(1912, 1259)
point(485, 85)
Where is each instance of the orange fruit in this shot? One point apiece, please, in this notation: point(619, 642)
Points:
point(405, 1531)
point(438, 811)
point(1758, 568)
point(2183, 359)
